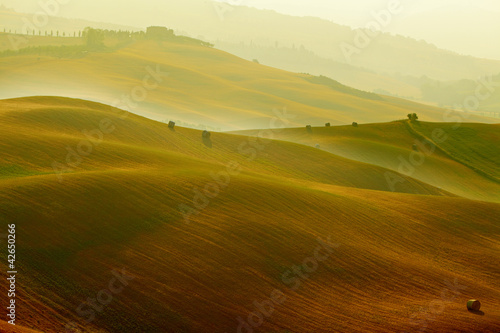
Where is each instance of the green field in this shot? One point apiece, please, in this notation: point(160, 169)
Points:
point(459, 158)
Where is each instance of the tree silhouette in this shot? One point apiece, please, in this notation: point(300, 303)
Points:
point(94, 38)
point(412, 116)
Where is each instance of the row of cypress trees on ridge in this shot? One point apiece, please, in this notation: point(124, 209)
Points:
point(93, 40)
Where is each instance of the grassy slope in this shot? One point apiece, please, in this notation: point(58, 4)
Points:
point(466, 163)
point(139, 143)
point(223, 85)
point(474, 145)
point(118, 209)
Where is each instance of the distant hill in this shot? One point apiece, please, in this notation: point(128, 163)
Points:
point(14, 22)
point(454, 93)
point(302, 60)
point(394, 64)
point(473, 36)
point(387, 53)
point(200, 85)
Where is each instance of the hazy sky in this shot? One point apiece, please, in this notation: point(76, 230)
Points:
point(352, 12)
point(465, 26)
point(355, 12)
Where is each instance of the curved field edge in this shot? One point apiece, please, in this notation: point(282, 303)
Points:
point(390, 145)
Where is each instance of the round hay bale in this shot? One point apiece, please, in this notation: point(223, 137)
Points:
point(473, 305)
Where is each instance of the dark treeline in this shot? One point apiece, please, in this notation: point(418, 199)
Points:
point(93, 40)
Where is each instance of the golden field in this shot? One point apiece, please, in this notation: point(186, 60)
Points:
point(94, 189)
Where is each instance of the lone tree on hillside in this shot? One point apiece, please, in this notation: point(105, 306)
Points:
point(412, 116)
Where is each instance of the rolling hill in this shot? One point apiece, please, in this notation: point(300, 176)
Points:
point(47, 118)
point(174, 80)
point(312, 241)
point(455, 92)
point(234, 22)
point(460, 158)
point(301, 60)
point(390, 64)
